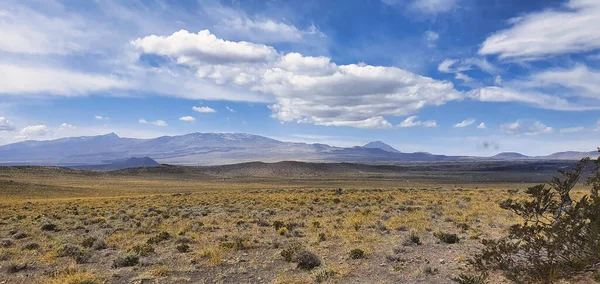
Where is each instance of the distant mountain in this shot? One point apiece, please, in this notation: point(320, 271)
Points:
point(215, 149)
point(572, 155)
point(381, 145)
point(510, 156)
point(119, 164)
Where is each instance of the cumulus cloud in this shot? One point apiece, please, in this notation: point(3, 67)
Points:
point(66, 126)
point(204, 109)
point(204, 48)
point(35, 130)
point(412, 121)
point(536, 35)
point(526, 127)
point(481, 126)
point(187, 118)
point(305, 89)
point(159, 122)
point(229, 109)
point(99, 117)
point(6, 125)
point(465, 123)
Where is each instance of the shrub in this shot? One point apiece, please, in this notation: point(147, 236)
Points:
point(142, 249)
point(73, 252)
point(126, 260)
point(19, 235)
point(282, 231)
point(99, 245)
point(31, 246)
point(88, 242)
point(278, 225)
point(447, 238)
point(49, 227)
point(183, 248)
point(557, 237)
point(412, 239)
point(162, 236)
point(322, 237)
point(16, 267)
point(289, 252)
point(357, 254)
point(470, 279)
point(6, 243)
point(306, 259)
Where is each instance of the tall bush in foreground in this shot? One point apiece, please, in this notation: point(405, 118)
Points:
point(558, 237)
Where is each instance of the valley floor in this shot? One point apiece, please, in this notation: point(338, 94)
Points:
point(61, 226)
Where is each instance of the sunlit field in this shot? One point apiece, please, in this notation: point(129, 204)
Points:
point(60, 226)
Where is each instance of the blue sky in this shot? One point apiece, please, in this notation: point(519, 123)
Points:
point(459, 77)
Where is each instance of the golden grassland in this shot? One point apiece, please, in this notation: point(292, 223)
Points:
point(96, 228)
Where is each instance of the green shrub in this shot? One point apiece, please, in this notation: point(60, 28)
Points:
point(357, 254)
point(557, 237)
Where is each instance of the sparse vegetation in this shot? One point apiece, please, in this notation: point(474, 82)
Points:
point(162, 228)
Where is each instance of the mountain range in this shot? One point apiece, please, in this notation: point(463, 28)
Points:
point(218, 149)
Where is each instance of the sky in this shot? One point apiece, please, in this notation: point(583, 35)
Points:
point(456, 77)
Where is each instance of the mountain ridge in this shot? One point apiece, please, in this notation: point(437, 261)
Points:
point(217, 149)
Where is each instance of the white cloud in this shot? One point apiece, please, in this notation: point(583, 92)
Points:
point(66, 126)
point(307, 89)
point(432, 38)
point(412, 121)
point(456, 66)
point(21, 79)
point(580, 80)
point(204, 48)
point(465, 123)
point(446, 66)
point(35, 130)
point(204, 109)
point(23, 30)
point(371, 122)
point(159, 122)
point(574, 89)
point(229, 109)
point(572, 129)
point(481, 126)
point(536, 35)
point(6, 125)
point(99, 117)
point(464, 77)
point(534, 98)
point(430, 7)
point(526, 127)
point(187, 118)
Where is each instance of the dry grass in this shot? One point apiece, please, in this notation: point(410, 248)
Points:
point(228, 226)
